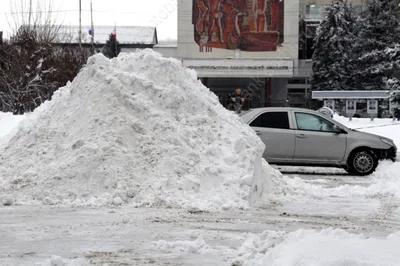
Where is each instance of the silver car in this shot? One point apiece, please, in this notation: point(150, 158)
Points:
point(303, 137)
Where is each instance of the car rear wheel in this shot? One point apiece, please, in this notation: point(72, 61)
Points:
point(362, 162)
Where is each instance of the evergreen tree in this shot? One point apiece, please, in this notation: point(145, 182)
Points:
point(332, 45)
point(374, 64)
point(111, 48)
point(393, 64)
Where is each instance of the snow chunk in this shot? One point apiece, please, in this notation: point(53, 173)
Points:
point(56, 261)
point(187, 246)
point(326, 247)
point(8, 201)
point(59, 261)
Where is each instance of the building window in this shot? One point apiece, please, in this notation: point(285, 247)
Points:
point(296, 81)
point(311, 29)
point(306, 38)
point(314, 11)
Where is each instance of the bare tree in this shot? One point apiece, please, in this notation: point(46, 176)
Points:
point(31, 69)
point(39, 21)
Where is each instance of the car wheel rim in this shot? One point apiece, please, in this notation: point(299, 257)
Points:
point(363, 163)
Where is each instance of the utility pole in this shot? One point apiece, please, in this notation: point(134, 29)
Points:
point(30, 14)
point(92, 27)
point(80, 24)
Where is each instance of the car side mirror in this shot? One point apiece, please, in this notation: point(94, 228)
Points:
point(338, 129)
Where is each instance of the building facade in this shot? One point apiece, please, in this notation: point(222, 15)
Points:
point(263, 47)
point(251, 45)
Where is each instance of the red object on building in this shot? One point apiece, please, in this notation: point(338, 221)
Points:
point(114, 33)
point(252, 25)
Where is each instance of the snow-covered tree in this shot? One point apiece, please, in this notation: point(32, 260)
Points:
point(393, 67)
point(111, 48)
point(30, 72)
point(375, 49)
point(332, 45)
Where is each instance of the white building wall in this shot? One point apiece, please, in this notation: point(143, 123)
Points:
point(167, 51)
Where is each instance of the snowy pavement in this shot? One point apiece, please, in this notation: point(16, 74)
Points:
point(32, 235)
point(137, 236)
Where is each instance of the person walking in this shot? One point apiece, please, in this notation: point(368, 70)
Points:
point(238, 100)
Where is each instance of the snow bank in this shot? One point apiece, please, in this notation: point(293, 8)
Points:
point(385, 182)
point(8, 122)
point(387, 131)
point(327, 247)
point(137, 129)
point(363, 120)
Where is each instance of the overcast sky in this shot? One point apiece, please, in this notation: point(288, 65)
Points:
point(160, 13)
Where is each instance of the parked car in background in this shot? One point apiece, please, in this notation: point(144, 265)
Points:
point(303, 137)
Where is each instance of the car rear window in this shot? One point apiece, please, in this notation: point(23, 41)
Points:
point(272, 120)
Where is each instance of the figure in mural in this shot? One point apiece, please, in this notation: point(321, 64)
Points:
point(262, 12)
point(236, 19)
point(201, 18)
point(215, 20)
point(247, 25)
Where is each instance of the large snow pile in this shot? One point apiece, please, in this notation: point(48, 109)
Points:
point(327, 247)
point(137, 129)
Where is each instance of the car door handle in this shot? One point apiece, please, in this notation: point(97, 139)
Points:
point(301, 136)
point(258, 132)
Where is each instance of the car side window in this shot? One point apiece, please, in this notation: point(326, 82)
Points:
point(272, 120)
point(313, 123)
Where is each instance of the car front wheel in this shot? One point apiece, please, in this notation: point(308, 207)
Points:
point(362, 163)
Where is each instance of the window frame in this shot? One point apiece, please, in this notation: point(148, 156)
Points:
point(320, 117)
point(273, 128)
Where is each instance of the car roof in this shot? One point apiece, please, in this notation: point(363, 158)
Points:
point(281, 109)
point(249, 114)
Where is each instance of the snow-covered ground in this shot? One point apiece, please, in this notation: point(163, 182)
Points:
point(83, 182)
